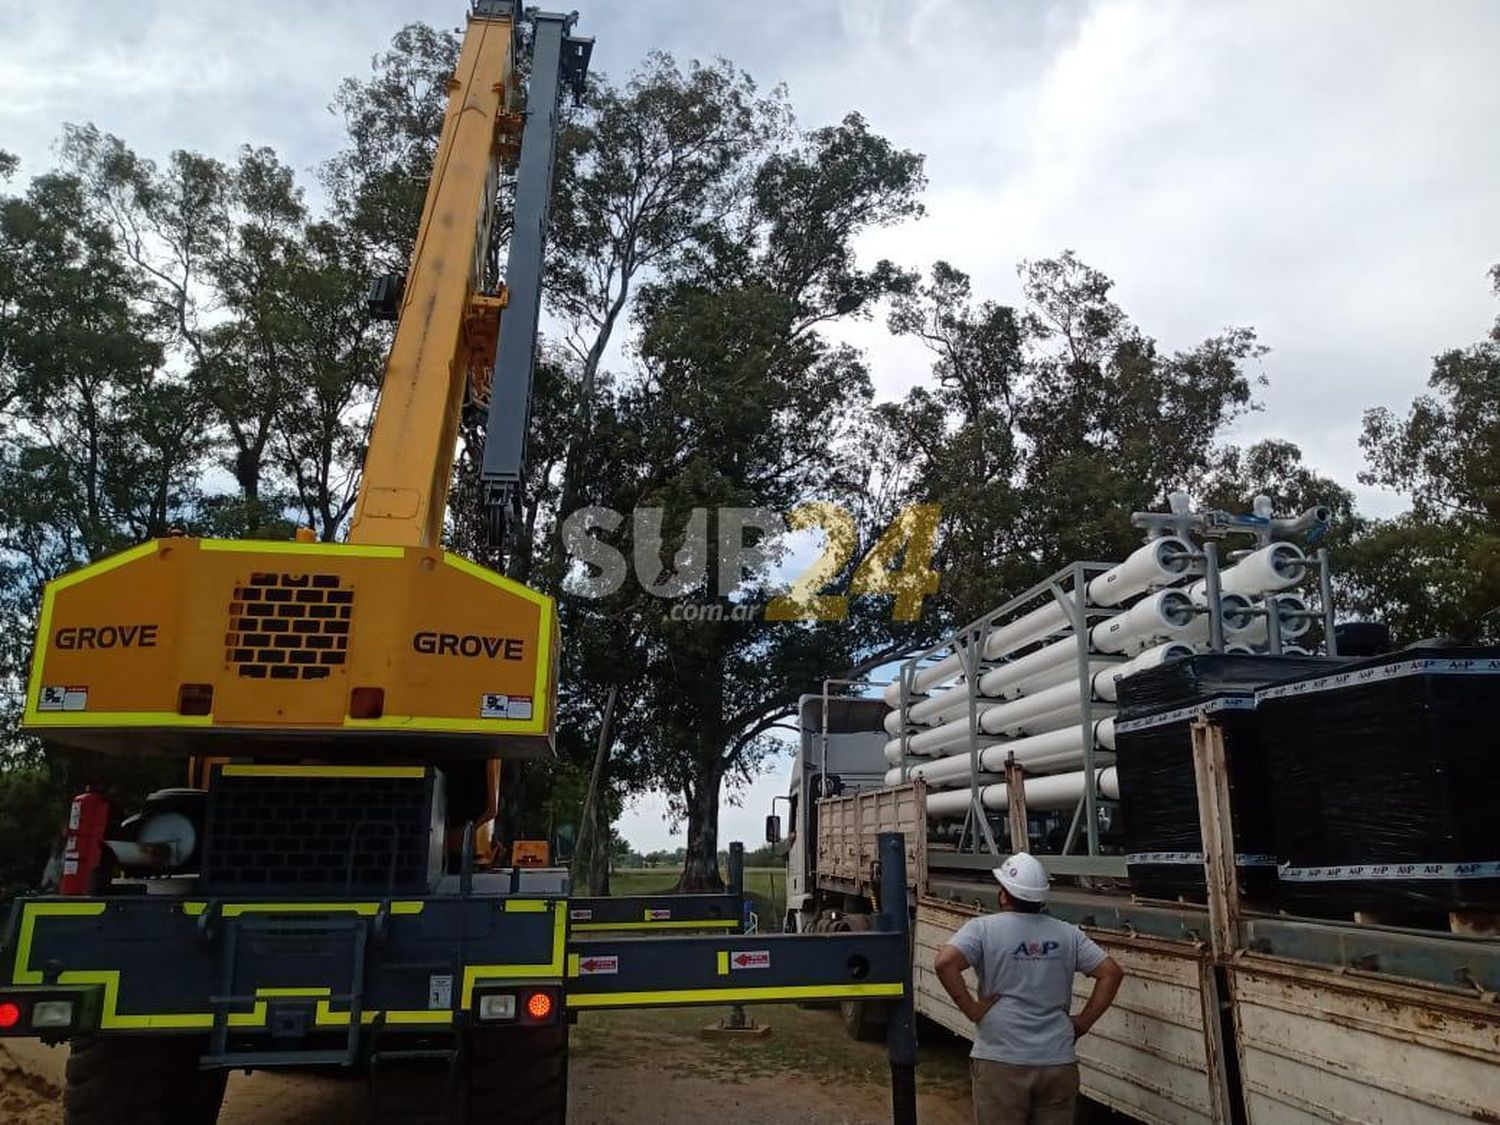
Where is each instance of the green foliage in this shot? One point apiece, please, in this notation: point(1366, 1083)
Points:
point(33, 809)
point(1425, 578)
point(740, 402)
point(392, 120)
point(262, 305)
point(1047, 427)
point(1436, 570)
point(94, 453)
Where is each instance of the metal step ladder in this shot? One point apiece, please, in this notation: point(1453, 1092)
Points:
point(288, 1016)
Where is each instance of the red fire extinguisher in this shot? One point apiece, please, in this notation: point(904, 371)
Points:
point(88, 820)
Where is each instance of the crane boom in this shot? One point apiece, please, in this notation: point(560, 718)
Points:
point(449, 334)
point(385, 644)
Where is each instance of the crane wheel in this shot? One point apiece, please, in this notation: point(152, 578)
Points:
point(517, 1074)
point(152, 1080)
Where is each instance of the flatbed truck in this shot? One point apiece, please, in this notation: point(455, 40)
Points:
point(1226, 1016)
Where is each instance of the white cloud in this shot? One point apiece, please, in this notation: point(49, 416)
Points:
point(1322, 172)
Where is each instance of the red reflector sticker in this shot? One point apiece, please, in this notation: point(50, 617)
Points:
point(10, 1015)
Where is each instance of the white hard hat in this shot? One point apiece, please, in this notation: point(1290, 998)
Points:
point(1023, 877)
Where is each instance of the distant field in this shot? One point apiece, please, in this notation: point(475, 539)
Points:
point(766, 887)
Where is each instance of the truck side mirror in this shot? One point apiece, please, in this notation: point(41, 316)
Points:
point(773, 829)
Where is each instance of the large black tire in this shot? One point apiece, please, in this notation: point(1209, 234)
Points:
point(864, 1020)
point(410, 1092)
point(517, 1074)
point(150, 1080)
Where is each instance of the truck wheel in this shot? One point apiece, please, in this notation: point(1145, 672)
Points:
point(153, 1080)
point(517, 1074)
point(864, 1020)
point(409, 1092)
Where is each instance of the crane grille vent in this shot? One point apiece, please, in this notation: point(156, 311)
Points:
point(289, 626)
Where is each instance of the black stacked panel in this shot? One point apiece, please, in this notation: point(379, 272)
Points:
point(1384, 778)
point(1159, 800)
point(1154, 762)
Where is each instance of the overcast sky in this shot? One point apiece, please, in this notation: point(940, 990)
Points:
point(1326, 172)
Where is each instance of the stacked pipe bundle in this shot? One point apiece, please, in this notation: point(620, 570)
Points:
point(1158, 791)
point(1029, 701)
point(1031, 704)
point(1385, 779)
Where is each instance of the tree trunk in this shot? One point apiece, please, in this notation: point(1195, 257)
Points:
point(599, 855)
point(700, 870)
point(591, 860)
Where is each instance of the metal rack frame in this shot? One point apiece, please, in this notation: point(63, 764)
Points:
point(1068, 588)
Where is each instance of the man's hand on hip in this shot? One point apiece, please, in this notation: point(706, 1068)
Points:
point(975, 1010)
point(1080, 1026)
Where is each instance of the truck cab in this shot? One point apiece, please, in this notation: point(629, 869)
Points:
point(840, 749)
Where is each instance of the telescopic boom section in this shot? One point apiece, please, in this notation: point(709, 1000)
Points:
point(448, 328)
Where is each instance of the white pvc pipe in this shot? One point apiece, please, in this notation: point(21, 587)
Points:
point(1273, 568)
point(1106, 681)
point(924, 678)
point(1159, 563)
point(1043, 794)
point(1289, 608)
point(1049, 618)
point(1159, 616)
point(1056, 749)
point(1238, 612)
point(1057, 706)
point(1011, 717)
point(1161, 560)
point(893, 777)
point(1060, 674)
point(1009, 678)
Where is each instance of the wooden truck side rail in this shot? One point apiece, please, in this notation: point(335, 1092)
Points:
point(1225, 1016)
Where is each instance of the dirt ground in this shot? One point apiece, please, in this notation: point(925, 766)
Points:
point(626, 1067)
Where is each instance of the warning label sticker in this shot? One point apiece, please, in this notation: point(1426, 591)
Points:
point(750, 959)
point(658, 915)
point(440, 991)
point(581, 914)
point(63, 699)
point(496, 706)
point(598, 966)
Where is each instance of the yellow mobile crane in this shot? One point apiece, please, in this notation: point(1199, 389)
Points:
point(313, 899)
point(348, 702)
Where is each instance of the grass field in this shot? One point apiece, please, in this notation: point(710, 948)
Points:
point(809, 1042)
point(765, 886)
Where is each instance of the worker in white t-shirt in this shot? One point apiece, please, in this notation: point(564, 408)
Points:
point(1024, 1066)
